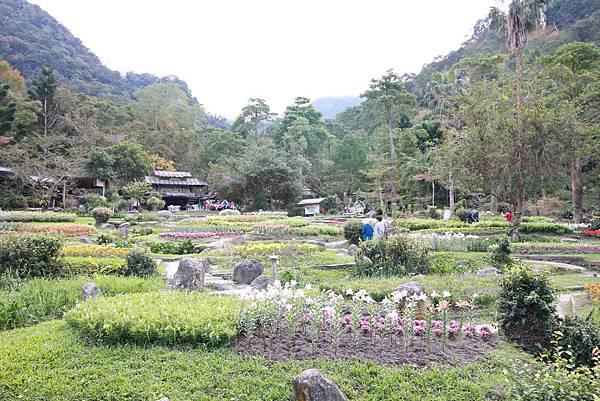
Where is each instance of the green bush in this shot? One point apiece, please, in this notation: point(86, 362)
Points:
point(501, 253)
point(559, 380)
point(88, 266)
point(579, 337)
point(595, 224)
point(395, 255)
point(331, 204)
point(30, 255)
point(36, 300)
point(92, 201)
point(155, 203)
point(46, 217)
point(140, 263)
point(158, 318)
point(101, 215)
point(353, 231)
point(526, 307)
point(318, 230)
point(175, 248)
point(456, 262)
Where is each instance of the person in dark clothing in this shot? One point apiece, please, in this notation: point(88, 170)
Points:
point(473, 217)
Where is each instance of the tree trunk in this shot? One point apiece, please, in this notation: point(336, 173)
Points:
point(451, 193)
point(64, 195)
point(494, 204)
point(393, 161)
point(577, 189)
point(433, 193)
point(513, 230)
point(518, 76)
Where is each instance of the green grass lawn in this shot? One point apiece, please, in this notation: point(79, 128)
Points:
point(49, 362)
point(562, 281)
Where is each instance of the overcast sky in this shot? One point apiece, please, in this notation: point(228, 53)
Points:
point(230, 50)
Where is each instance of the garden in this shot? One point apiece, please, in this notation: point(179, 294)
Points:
point(436, 309)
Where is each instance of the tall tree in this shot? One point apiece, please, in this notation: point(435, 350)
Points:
point(389, 96)
point(253, 117)
point(574, 71)
point(43, 89)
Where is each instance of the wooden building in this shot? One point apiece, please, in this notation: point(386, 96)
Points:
point(177, 187)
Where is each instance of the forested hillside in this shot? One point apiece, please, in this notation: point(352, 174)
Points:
point(330, 107)
point(567, 21)
point(31, 38)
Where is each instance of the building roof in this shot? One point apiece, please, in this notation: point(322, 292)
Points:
point(186, 182)
point(172, 174)
point(314, 201)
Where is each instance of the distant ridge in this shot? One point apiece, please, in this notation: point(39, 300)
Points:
point(333, 105)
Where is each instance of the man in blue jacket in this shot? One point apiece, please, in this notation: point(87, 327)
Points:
point(367, 231)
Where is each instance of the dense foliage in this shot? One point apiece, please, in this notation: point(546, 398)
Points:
point(395, 255)
point(165, 318)
point(140, 263)
point(28, 256)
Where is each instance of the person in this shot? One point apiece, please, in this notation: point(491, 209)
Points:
point(473, 217)
point(380, 227)
point(367, 231)
point(509, 216)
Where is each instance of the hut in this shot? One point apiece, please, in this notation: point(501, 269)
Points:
point(177, 187)
point(312, 207)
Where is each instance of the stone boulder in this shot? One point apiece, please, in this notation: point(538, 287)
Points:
point(165, 214)
point(106, 226)
point(85, 240)
point(189, 275)
point(411, 288)
point(353, 250)
point(311, 385)
point(488, 272)
point(371, 214)
point(322, 244)
point(261, 282)
point(246, 272)
point(91, 291)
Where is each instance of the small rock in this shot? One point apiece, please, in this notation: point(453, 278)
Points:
point(85, 240)
point(261, 282)
point(190, 275)
point(106, 225)
point(488, 272)
point(111, 245)
point(246, 272)
point(411, 288)
point(353, 250)
point(91, 291)
point(212, 260)
point(311, 385)
point(371, 214)
point(124, 225)
point(165, 214)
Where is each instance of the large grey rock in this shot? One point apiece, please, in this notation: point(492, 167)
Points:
point(190, 275)
point(91, 291)
point(353, 250)
point(371, 214)
point(245, 272)
point(85, 240)
point(322, 244)
point(165, 214)
point(311, 385)
point(412, 288)
point(261, 282)
point(488, 272)
point(106, 225)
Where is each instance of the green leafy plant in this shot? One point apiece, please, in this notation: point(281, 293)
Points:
point(579, 337)
point(526, 307)
point(501, 253)
point(394, 255)
point(140, 263)
point(158, 318)
point(101, 215)
point(30, 255)
point(155, 203)
point(353, 231)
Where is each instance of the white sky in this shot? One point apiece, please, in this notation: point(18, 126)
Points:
point(230, 50)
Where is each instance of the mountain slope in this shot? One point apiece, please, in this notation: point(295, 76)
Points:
point(31, 38)
point(331, 106)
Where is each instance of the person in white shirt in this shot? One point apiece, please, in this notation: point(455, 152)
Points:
point(380, 227)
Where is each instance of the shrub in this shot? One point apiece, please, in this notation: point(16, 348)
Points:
point(37, 300)
point(353, 231)
point(30, 255)
point(47, 217)
point(101, 215)
point(175, 248)
point(526, 307)
point(229, 212)
point(456, 262)
point(318, 230)
point(93, 201)
point(155, 203)
point(331, 203)
point(395, 255)
point(88, 266)
point(140, 263)
point(595, 224)
point(501, 253)
point(558, 380)
point(158, 318)
point(579, 337)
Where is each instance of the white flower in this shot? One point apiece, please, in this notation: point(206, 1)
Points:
point(308, 287)
point(446, 294)
point(434, 294)
point(475, 295)
point(293, 283)
point(421, 297)
point(349, 291)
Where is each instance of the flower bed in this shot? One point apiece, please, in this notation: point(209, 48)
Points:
point(454, 242)
point(274, 248)
point(47, 217)
point(283, 322)
point(529, 249)
point(158, 318)
point(93, 250)
point(65, 231)
point(592, 233)
point(190, 234)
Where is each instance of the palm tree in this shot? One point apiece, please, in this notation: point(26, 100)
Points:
point(523, 18)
